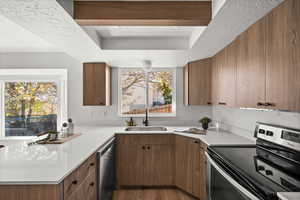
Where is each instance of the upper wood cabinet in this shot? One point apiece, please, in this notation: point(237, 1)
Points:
point(251, 66)
point(283, 57)
point(197, 80)
point(96, 84)
point(224, 76)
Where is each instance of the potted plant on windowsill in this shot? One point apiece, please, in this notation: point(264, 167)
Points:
point(205, 122)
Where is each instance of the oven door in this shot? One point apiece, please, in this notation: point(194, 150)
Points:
point(223, 187)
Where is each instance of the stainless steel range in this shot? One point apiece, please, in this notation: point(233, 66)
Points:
point(256, 172)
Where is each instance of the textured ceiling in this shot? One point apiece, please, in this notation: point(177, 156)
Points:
point(49, 21)
point(14, 38)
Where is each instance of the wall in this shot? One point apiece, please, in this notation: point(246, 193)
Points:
point(98, 115)
point(242, 121)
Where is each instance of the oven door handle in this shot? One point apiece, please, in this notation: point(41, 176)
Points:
point(231, 180)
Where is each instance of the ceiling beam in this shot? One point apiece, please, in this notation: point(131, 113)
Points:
point(143, 13)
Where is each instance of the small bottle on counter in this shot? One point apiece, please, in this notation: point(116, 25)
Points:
point(70, 127)
point(64, 131)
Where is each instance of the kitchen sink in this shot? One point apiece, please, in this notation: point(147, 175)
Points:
point(146, 128)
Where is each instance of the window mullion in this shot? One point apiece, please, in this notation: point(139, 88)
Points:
point(147, 91)
point(2, 118)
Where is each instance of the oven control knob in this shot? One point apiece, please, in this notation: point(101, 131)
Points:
point(269, 173)
point(269, 133)
point(261, 131)
point(261, 168)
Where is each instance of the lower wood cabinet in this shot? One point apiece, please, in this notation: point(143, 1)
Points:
point(80, 184)
point(161, 160)
point(145, 160)
point(190, 166)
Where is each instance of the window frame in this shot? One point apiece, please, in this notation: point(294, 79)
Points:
point(174, 86)
point(59, 76)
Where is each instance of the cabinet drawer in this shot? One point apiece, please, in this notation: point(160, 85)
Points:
point(145, 139)
point(76, 178)
point(87, 190)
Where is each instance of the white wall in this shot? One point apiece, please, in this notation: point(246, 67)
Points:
point(241, 121)
point(98, 115)
point(216, 6)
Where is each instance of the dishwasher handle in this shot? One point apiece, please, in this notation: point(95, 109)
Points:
point(106, 147)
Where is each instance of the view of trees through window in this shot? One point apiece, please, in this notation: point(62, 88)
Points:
point(30, 108)
point(133, 91)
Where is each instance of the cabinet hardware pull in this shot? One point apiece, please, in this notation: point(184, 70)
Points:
point(222, 103)
point(92, 184)
point(143, 148)
point(92, 164)
point(196, 142)
point(269, 104)
point(208, 103)
point(74, 182)
point(260, 104)
point(148, 147)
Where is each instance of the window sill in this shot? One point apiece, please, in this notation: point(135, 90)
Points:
point(150, 115)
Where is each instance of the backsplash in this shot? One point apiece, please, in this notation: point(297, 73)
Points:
point(242, 121)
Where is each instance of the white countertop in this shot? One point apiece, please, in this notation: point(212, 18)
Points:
point(50, 164)
point(289, 195)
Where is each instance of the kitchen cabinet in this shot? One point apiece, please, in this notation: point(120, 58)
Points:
point(145, 160)
point(251, 66)
point(224, 76)
point(80, 184)
point(197, 80)
point(283, 57)
point(96, 84)
point(83, 179)
point(190, 166)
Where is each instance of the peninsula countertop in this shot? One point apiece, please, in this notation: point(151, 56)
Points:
point(50, 164)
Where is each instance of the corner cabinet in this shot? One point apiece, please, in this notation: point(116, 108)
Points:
point(190, 166)
point(161, 160)
point(197, 82)
point(96, 84)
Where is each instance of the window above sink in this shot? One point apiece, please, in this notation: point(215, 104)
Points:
point(135, 85)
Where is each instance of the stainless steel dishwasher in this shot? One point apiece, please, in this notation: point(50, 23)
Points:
point(106, 171)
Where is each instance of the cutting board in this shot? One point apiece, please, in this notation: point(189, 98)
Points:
point(61, 141)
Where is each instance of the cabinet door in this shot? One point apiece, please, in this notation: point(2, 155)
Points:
point(200, 170)
point(224, 76)
point(183, 164)
point(130, 164)
point(251, 66)
point(215, 80)
point(159, 165)
point(228, 77)
point(283, 56)
point(199, 82)
point(87, 190)
point(96, 84)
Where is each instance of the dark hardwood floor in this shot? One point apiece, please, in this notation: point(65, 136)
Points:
point(151, 194)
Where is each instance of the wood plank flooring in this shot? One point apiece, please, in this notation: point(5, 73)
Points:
point(151, 194)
